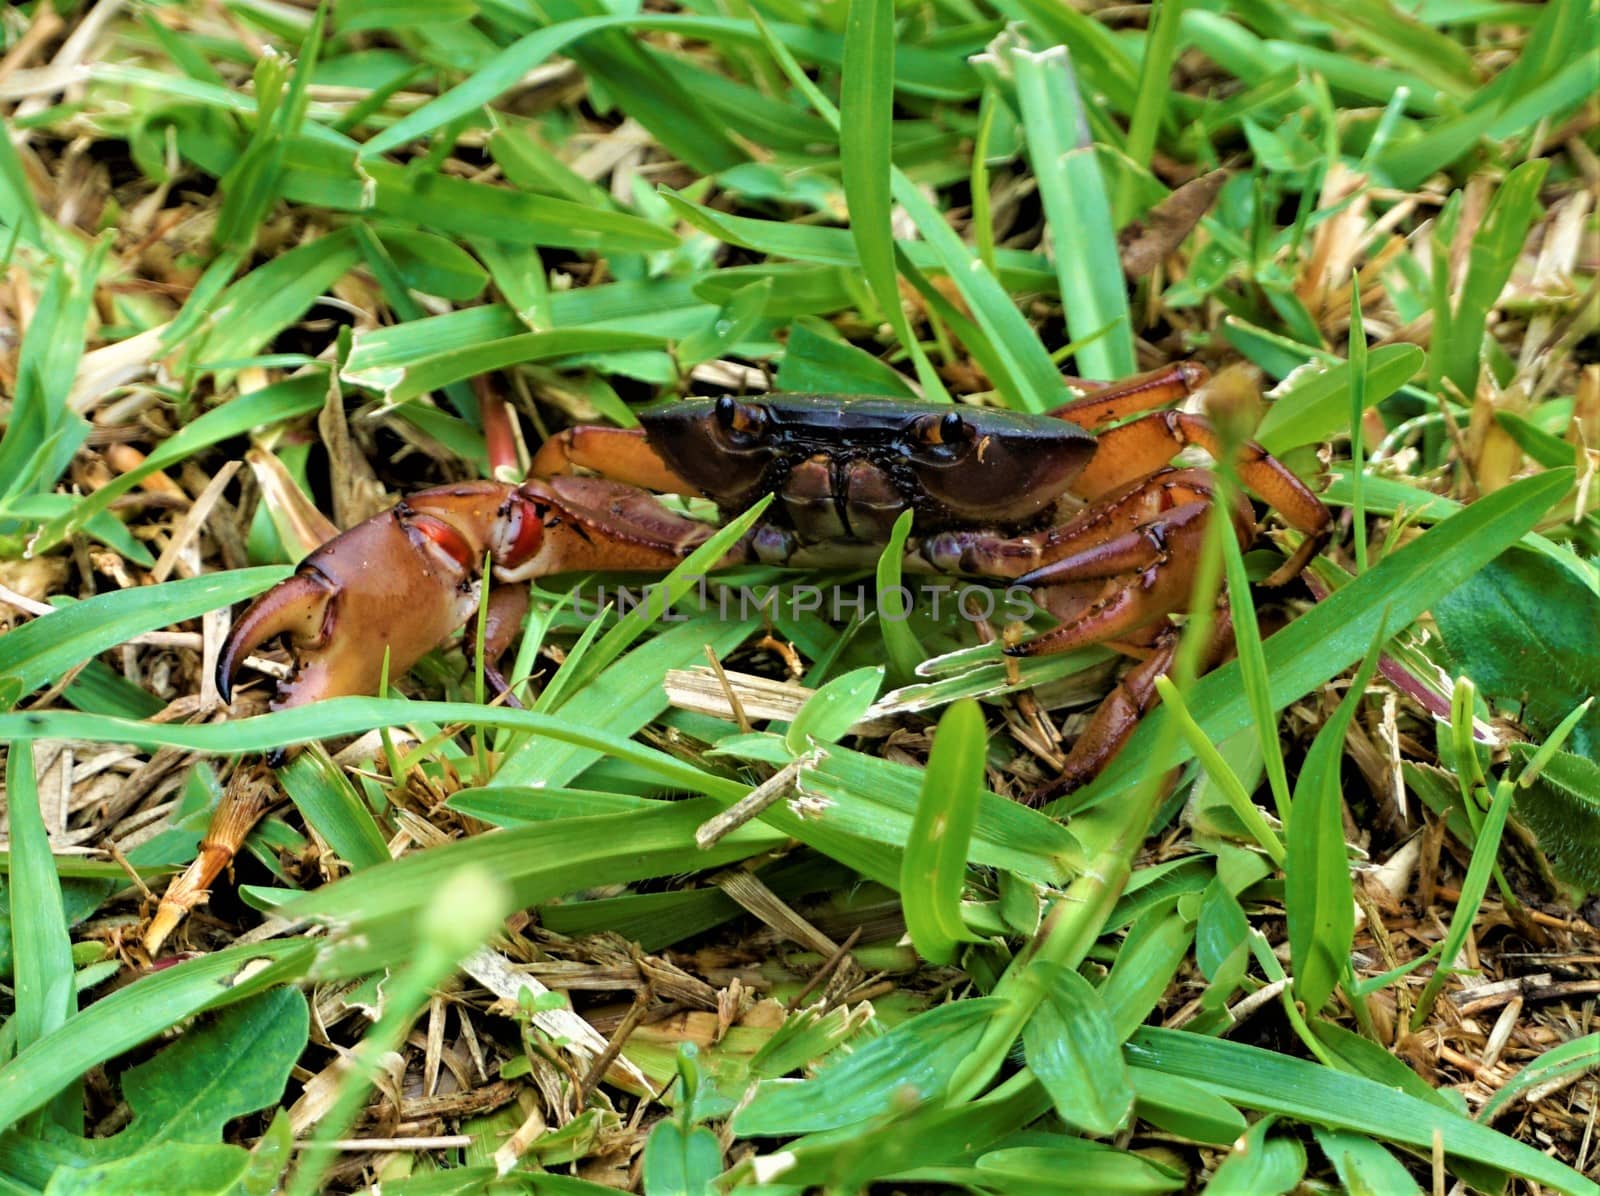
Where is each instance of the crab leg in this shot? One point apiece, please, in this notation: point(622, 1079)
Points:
point(1145, 444)
point(1133, 697)
point(1129, 396)
point(1111, 576)
point(1144, 576)
point(1110, 517)
point(622, 454)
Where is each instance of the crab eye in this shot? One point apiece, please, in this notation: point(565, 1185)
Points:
point(742, 424)
point(945, 436)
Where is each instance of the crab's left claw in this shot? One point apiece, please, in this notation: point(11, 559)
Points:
point(299, 606)
point(398, 583)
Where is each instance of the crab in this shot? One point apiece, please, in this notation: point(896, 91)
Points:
point(1084, 510)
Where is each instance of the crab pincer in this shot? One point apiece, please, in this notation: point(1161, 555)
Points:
point(401, 582)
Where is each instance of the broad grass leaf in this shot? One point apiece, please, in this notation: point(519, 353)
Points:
point(866, 150)
point(678, 1163)
point(1155, 947)
point(43, 430)
point(1544, 447)
point(221, 1068)
point(44, 648)
point(432, 373)
point(894, 603)
point(1523, 628)
point(877, 799)
point(814, 363)
point(333, 807)
point(833, 246)
point(183, 1170)
point(1074, 1166)
point(349, 716)
point(933, 872)
point(150, 1005)
point(1185, 1107)
point(267, 300)
point(41, 947)
point(731, 325)
point(623, 698)
point(543, 860)
point(1358, 1056)
point(433, 265)
point(912, 1063)
point(1562, 808)
point(1318, 893)
point(1365, 1168)
point(1317, 406)
point(828, 714)
point(1496, 247)
point(1272, 1083)
point(1071, 1045)
point(933, 1135)
point(1261, 1164)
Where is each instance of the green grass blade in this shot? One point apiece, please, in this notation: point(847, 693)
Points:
point(1070, 184)
point(1253, 666)
point(41, 946)
point(1578, 1056)
point(828, 714)
point(899, 641)
point(540, 862)
point(933, 871)
point(1495, 249)
point(42, 650)
point(685, 576)
point(1318, 893)
point(1150, 108)
point(1071, 1046)
point(1273, 1083)
point(866, 125)
point(1320, 404)
point(1358, 406)
point(333, 808)
point(277, 403)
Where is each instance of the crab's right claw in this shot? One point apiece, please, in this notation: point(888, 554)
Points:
point(300, 606)
point(397, 584)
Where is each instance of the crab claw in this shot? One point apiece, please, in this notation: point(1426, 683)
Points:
point(401, 582)
point(299, 605)
point(398, 583)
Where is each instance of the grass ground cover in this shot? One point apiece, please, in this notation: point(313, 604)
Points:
point(742, 897)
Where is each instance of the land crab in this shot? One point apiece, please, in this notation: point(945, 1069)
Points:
point(1084, 510)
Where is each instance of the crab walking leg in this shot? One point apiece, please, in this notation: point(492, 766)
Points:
point(622, 454)
point(1133, 697)
point(1130, 396)
point(1145, 575)
point(1105, 522)
point(1135, 449)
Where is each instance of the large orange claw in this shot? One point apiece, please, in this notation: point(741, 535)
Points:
point(401, 581)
